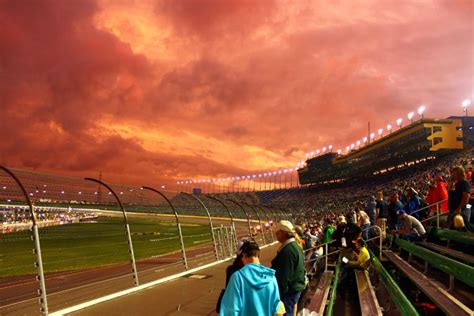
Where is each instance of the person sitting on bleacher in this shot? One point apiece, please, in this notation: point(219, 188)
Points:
point(411, 228)
point(361, 261)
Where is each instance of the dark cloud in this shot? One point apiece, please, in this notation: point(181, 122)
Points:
point(163, 90)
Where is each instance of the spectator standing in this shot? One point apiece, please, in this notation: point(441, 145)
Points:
point(363, 221)
point(394, 208)
point(230, 270)
point(438, 192)
point(289, 267)
point(459, 192)
point(370, 210)
point(252, 290)
point(413, 203)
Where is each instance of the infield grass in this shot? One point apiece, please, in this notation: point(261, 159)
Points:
point(101, 243)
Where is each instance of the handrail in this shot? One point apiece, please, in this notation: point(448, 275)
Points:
point(327, 254)
point(332, 300)
point(437, 211)
point(397, 295)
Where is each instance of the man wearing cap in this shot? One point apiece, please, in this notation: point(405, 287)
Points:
point(289, 267)
point(413, 204)
point(411, 228)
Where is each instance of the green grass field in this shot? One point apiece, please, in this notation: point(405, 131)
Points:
point(89, 245)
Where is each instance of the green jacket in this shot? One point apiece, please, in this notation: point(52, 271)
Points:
point(327, 237)
point(289, 267)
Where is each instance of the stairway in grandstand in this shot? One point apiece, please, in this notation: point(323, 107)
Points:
point(435, 277)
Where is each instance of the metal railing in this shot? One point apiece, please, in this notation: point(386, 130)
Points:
point(130, 242)
point(438, 214)
point(326, 247)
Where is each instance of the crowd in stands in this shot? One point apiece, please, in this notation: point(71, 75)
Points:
point(344, 217)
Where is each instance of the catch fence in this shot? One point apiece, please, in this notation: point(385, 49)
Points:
point(91, 238)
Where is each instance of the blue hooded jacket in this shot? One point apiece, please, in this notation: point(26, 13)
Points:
point(253, 290)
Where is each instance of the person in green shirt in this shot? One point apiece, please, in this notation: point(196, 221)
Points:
point(289, 267)
point(327, 236)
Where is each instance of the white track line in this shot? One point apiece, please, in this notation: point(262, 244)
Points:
point(138, 288)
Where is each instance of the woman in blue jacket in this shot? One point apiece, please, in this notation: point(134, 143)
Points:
point(253, 290)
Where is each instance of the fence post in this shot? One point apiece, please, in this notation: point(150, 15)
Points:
point(259, 221)
point(269, 220)
point(210, 221)
point(228, 211)
point(36, 239)
point(246, 214)
point(437, 215)
point(127, 229)
point(178, 224)
point(326, 257)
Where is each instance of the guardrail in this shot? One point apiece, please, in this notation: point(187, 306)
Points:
point(326, 247)
point(136, 248)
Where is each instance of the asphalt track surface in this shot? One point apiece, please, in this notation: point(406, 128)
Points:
point(184, 296)
point(19, 295)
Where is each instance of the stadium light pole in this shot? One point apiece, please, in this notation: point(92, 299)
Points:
point(399, 123)
point(465, 104)
point(380, 132)
point(421, 111)
point(410, 117)
point(389, 128)
point(291, 177)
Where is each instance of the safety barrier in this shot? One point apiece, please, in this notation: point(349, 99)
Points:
point(98, 233)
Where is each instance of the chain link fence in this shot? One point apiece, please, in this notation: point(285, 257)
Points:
point(67, 240)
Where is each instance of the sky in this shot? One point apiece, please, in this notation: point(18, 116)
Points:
point(158, 91)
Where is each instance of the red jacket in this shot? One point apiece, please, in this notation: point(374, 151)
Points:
point(437, 194)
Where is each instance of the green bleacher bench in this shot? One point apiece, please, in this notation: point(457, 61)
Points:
point(403, 304)
point(463, 237)
point(449, 252)
point(369, 304)
point(456, 269)
point(440, 296)
point(319, 299)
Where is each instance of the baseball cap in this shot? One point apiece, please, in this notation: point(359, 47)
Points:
point(285, 226)
point(400, 212)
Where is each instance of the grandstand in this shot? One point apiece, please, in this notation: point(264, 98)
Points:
point(422, 140)
point(99, 238)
